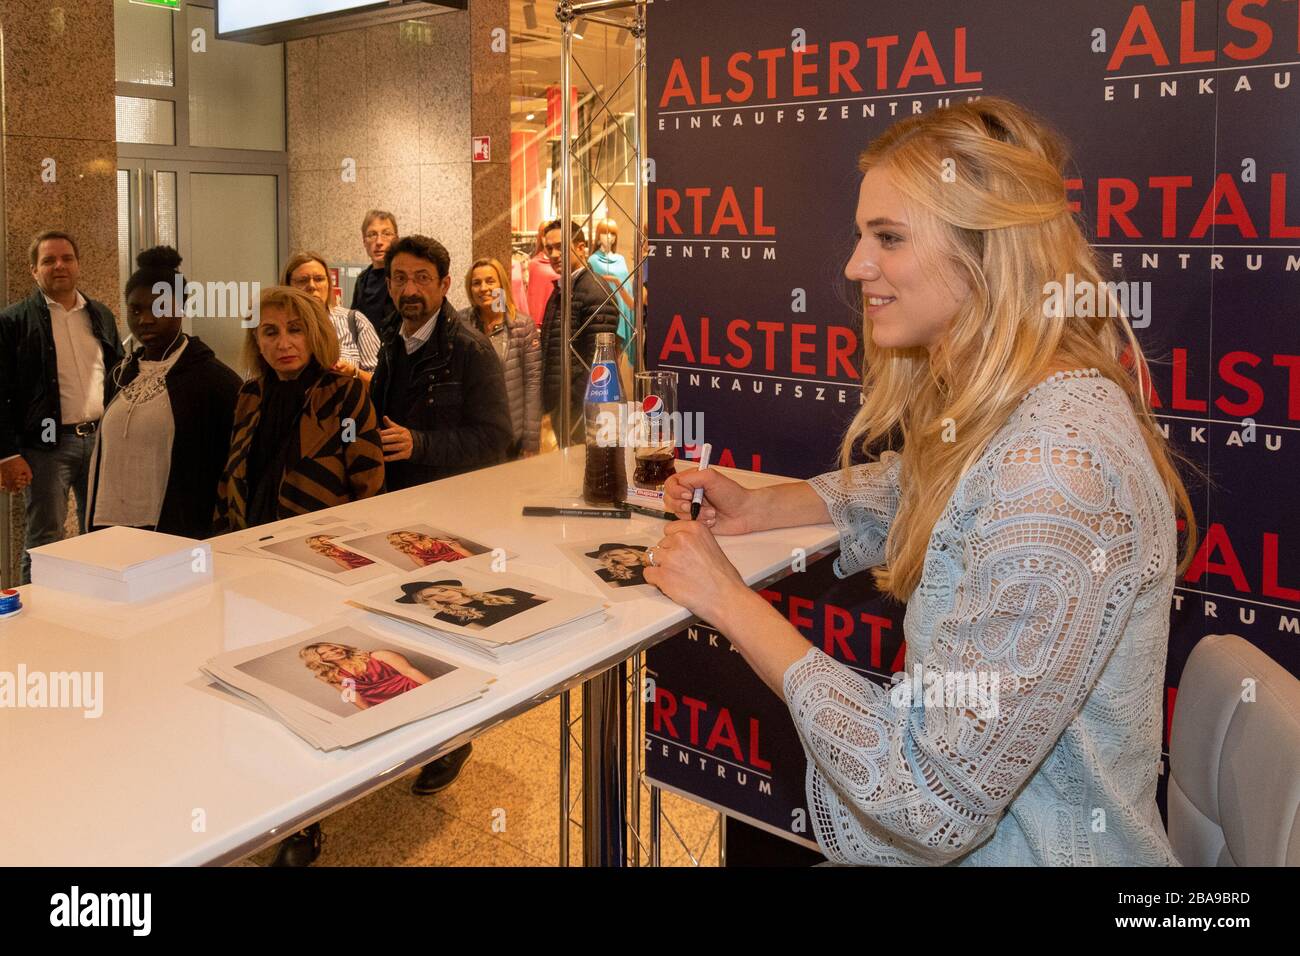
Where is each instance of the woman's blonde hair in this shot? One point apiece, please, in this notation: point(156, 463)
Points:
point(983, 183)
point(503, 279)
point(322, 340)
point(357, 661)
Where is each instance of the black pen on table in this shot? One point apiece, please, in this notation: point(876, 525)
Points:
point(698, 497)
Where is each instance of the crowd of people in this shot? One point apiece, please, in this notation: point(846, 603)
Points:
point(333, 404)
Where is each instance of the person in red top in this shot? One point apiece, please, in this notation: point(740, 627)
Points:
point(347, 560)
point(425, 549)
point(375, 676)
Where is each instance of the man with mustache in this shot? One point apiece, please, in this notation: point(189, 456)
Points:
point(55, 349)
point(440, 396)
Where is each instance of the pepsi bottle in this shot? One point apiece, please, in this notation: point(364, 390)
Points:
point(605, 479)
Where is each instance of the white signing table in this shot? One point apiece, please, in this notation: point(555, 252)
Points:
point(176, 772)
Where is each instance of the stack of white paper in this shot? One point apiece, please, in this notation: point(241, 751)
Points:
point(122, 564)
point(338, 685)
point(501, 616)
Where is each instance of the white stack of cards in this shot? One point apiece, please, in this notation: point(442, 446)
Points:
point(500, 616)
point(341, 684)
point(122, 564)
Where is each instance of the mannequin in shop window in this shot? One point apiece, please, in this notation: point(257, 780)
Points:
point(611, 268)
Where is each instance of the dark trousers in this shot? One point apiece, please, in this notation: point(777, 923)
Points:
point(54, 471)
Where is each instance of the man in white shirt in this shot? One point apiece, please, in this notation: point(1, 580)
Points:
point(57, 353)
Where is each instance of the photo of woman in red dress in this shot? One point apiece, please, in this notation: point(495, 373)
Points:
point(425, 549)
point(345, 559)
point(364, 678)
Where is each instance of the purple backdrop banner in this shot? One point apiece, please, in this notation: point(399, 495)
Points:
point(1182, 119)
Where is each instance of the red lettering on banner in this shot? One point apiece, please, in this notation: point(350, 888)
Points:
point(677, 86)
point(1108, 208)
point(1169, 186)
point(745, 344)
point(842, 67)
point(878, 627)
point(1225, 187)
point(841, 355)
point(798, 604)
point(1271, 587)
point(1262, 31)
point(667, 204)
point(1277, 224)
point(724, 732)
point(694, 706)
point(746, 81)
point(1216, 540)
point(1140, 37)
point(837, 625)
point(1292, 364)
point(800, 348)
point(802, 70)
point(755, 759)
point(1181, 401)
point(727, 460)
point(769, 351)
point(922, 49)
point(1254, 400)
point(881, 45)
point(959, 72)
point(1187, 37)
point(1118, 196)
point(707, 98)
point(697, 194)
point(677, 341)
point(808, 73)
point(1232, 370)
point(728, 212)
point(664, 709)
point(706, 358)
point(746, 352)
point(770, 57)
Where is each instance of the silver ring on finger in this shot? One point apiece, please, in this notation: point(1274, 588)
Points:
point(650, 558)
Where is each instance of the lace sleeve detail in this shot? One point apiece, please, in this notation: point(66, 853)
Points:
point(862, 504)
point(1051, 570)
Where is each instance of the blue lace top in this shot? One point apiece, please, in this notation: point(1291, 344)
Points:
point(1044, 606)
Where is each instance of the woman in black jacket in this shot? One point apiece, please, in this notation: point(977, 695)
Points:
point(162, 442)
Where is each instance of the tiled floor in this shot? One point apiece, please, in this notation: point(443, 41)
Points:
point(503, 810)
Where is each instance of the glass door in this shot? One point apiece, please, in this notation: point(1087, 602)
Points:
point(240, 209)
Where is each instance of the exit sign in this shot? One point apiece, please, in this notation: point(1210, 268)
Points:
point(165, 4)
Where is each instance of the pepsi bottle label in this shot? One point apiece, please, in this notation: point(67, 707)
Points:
point(603, 385)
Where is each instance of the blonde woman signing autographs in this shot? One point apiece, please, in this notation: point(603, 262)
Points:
point(1039, 546)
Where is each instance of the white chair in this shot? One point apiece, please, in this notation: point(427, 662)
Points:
point(1234, 783)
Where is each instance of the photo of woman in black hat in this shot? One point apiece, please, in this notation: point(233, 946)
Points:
point(621, 565)
point(452, 602)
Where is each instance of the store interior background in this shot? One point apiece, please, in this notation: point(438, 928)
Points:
point(240, 155)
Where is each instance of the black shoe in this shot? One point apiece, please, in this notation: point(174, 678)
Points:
point(301, 849)
point(441, 773)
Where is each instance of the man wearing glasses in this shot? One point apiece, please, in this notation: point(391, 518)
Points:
point(370, 294)
point(441, 399)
